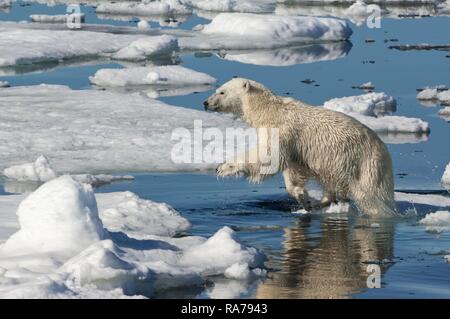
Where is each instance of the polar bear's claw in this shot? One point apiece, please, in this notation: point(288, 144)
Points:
point(228, 169)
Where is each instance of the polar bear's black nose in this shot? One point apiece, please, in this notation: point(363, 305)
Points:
point(206, 104)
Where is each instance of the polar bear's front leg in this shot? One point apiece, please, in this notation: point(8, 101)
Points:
point(247, 164)
point(295, 179)
point(230, 169)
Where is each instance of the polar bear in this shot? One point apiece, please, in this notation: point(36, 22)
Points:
point(346, 157)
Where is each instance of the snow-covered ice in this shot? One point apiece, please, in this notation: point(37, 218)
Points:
point(94, 131)
point(20, 176)
point(71, 244)
point(5, 3)
point(145, 8)
point(436, 222)
point(445, 113)
point(446, 176)
point(38, 171)
point(57, 18)
point(23, 45)
point(365, 86)
point(370, 104)
point(255, 31)
point(170, 75)
point(425, 199)
point(250, 6)
point(439, 93)
point(338, 208)
point(147, 47)
point(370, 109)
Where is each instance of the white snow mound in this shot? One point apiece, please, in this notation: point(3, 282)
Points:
point(171, 75)
point(63, 249)
point(39, 171)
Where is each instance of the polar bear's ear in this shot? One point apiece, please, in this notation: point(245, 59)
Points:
point(247, 86)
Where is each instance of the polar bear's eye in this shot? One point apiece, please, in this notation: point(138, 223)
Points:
point(222, 93)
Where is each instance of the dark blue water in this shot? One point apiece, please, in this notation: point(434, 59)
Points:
point(316, 256)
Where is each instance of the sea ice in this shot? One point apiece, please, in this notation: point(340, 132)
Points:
point(74, 244)
point(250, 6)
point(436, 222)
point(255, 31)
point(170, 75)
point(21, 44)
point(5, 3)
point(439, 93)
point(4, 84)
point(370, 104)
point(99, 131)
point(148, 47)
point(370, 108)
point(39, 171)
point(145, 8)
point(446, 177)
point(59, 18)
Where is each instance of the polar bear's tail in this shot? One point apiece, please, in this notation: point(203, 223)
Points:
point(373, 193)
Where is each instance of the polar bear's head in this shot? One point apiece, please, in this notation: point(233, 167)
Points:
point(228, 97)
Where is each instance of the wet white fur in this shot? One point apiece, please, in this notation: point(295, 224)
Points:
point(347, 158)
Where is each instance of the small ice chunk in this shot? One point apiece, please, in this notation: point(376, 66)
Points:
point(39, 171)
point(249, 6)
point(446, 177)
point(148, 47)
point(365, 86)
point(374, 225)
point(58, 18)
point(143, 25)
point(338, 208)
point(436, 222)
point(5, 3)
point(141, 218)
point(100, 179)
point(438, 93)
point(171, 75)
point(371, 104)
point(4, 84)
point(147, 8)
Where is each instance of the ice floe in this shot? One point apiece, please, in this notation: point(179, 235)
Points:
point(98, 131)
point(425, 199)
point(70, 243)
point(38, 171)
point(368, 86)
point(170, 75)
point(373, 110)
point(445, 113)
point(148, 47)
point(438, 93)
point(250, 6)
point(255, 31)
point(371, 104)
point(145, 8)
point(27, 177)
point(21, 44)
point(5, 3)
point(446, 176)
point(58, 18)
point(436, 222)
point(4, 84)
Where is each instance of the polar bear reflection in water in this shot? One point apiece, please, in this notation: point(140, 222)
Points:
point(346, 157)
point(332, 263)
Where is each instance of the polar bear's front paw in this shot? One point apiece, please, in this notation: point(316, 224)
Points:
point(228, 169)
